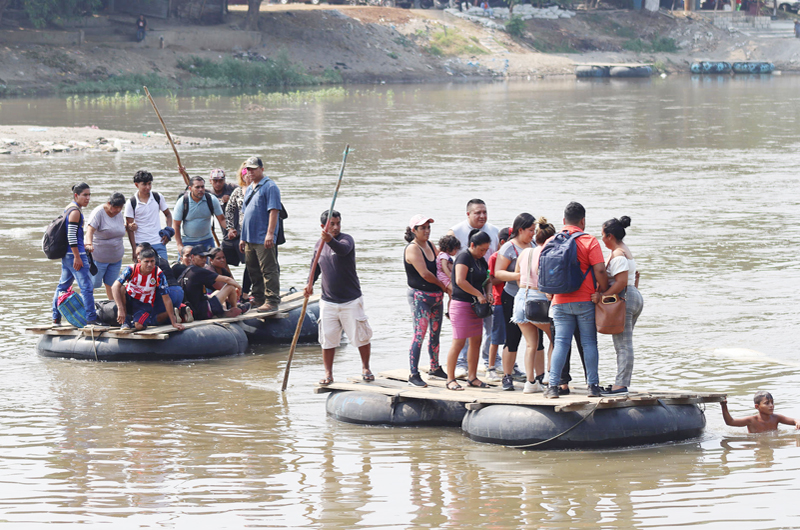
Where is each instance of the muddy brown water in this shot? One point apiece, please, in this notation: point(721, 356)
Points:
point(707, 170)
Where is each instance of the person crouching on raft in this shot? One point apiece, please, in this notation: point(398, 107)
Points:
point(470, 283)
point(135, 292)
point(75, 265)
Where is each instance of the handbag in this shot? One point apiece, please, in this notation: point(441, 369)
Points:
point(481, 310)
point(70, 305)
point(230, 247)
point(536, 311)
point(609, 315)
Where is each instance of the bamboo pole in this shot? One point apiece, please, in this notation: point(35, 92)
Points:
point(311, 276)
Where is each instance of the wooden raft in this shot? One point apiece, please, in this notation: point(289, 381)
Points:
point(612, 65)
point(288, 303)
point(394, 385)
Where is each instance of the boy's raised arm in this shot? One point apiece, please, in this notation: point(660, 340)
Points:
point(729, 420)
point(788, 421)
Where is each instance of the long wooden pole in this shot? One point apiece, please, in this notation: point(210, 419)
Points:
point(311, 275)
point(178, 157)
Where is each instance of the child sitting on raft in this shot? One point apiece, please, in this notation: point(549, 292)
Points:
point(448, 247)
point(764, 421)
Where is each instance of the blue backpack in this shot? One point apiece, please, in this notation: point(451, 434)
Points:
point(559, 269)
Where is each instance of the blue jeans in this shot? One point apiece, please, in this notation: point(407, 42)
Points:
point(566, 318)
point(161, 250)
point(107, 273)
point(84, 279)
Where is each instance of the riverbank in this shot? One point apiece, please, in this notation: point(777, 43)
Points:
point(30, 139)
point(300, 45)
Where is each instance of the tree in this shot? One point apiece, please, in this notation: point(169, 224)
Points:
point(41, 12)
point(253, 9)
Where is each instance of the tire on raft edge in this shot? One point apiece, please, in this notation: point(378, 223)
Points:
point(281, 330)
point(201, 342)
point(367, 408)
point(591, 71)
point(631, 71)
point(515, 425)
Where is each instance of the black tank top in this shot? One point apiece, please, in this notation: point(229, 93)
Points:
point(415, 281)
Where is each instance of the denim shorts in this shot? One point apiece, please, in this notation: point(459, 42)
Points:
point(107, 273)
point(498, 325)
point(519, 304)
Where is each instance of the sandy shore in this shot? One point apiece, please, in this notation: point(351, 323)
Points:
point(43, 141)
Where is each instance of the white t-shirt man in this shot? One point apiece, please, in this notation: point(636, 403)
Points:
point(462, 230)
point(147, 218)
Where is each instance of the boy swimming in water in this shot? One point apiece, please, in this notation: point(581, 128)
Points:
point(764, 421)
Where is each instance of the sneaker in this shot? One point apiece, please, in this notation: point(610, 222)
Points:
point(508, 382)
point(609, 391)
point(94, 322)
point(126, 325)
point(482, 368)
point(186, 314)
point(439, 372)
point(492, 377)
point(519, 375)
point(531, 388)
point(563, 391)
point(552, 392)
point(461, 372)
point(245, 307)
point(594, 390)
point(416, 380)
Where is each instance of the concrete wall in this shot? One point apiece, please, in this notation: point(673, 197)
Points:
point(53, 38)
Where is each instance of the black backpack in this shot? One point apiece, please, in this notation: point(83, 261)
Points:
point(209, 202)
point(54, 241)
point(154, 194)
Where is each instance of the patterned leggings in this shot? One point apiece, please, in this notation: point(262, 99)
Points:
point(427, 309)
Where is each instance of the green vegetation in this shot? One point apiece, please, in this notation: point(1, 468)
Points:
point(42, 12)
point(128, 99)
point(451, 42)
point(515, 26)
point(656, 44)
point(232, 72)
point(120, 84)
point(298, 96)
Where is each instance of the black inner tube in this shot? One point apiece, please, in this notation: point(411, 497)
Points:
point(559, 435)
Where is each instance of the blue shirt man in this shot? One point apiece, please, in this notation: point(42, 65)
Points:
point(262, 204)
point(197, 221)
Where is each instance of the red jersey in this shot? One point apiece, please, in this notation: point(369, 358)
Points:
point(141, 287)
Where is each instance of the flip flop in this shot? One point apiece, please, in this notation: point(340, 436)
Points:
point(326, 381)
point(368, 376)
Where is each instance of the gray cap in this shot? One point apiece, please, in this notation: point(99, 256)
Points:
point(253, 163)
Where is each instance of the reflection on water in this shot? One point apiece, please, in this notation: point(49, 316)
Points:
point(705, 168)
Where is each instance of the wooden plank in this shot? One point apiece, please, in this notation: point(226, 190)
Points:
point(284, 307)
point(393, 383)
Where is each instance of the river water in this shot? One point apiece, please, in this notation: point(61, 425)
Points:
point(706, 169)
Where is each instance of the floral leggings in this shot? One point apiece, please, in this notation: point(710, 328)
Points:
point(427, 309)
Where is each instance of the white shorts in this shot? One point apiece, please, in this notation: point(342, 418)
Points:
point(350, 317)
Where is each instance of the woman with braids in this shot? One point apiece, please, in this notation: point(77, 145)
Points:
point(75, 265)
point(623, 279)
point(425, 296)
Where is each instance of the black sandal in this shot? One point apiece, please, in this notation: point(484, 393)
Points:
point(456, 387)
point(480, 385)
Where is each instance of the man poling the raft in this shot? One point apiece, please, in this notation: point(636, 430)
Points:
point(311, 278)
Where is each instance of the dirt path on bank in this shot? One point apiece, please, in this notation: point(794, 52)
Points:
point(377, 44)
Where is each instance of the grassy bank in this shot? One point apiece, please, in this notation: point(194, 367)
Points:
point(205, 73)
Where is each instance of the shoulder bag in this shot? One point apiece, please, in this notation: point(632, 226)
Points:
point(536, 311)
point(609, 313)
